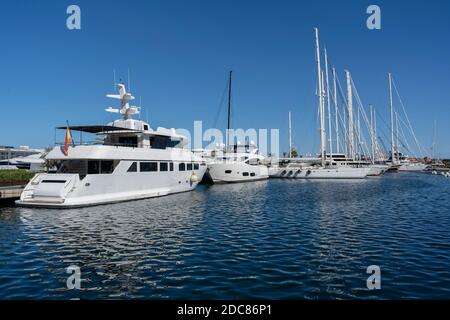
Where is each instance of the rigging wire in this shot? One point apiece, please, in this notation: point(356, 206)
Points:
point(407, 119)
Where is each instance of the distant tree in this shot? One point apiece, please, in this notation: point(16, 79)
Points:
point(294, 153)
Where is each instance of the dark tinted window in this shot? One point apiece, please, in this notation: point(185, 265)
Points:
point(171, 166)
point(107, 166)
point(252, 174)
point(182, 167)
point(196, 166)
point(245, 174)
point(133, 167)
point(189, 166)
point(163, 166)
point(227, 171)
point(93, 167)
point(149, 166)
point(128, 141)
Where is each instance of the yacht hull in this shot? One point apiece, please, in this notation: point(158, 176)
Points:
point(376, 170)
point(69, 191)
point(233, 172)
point(413, 167)
point(322, 173)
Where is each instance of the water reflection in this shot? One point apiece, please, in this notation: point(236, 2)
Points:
point(269, 239)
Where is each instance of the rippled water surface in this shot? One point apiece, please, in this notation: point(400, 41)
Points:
point(273, 239)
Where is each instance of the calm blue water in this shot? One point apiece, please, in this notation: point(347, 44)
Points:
point(272, 239)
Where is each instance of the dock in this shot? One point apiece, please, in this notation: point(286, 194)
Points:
point(11, 192)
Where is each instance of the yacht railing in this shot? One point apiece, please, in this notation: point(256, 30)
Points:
point(101, 143)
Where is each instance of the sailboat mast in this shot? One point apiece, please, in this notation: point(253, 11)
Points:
point(320, 92)
point(328, 108)
point(392, 119)
point(344, 117)
point(396, 138)
point(375, 133)
point(229, 110)
point(336, 124)
point(358, 146)
point(322, 116)
point(350, 115)
point(290, 136)
point(434, 142)
point(372, 134)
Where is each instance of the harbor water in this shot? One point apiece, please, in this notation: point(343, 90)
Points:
point(274, 239)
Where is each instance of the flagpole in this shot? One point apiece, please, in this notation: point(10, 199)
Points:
point(71, 135)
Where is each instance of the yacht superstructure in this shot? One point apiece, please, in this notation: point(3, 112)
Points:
point(128, 161)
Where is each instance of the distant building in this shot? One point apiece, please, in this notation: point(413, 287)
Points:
point(7, 152)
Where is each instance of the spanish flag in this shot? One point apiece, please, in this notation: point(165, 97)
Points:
point(67, 141)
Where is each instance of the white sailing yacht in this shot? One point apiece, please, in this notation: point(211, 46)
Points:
point(398, 160)
point(128, 161)
point(235, 162)
point(326, 167)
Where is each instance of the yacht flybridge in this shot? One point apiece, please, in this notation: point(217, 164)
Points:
point(127, 161)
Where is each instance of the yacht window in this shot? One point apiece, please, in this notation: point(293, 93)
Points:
point(252, 174)
point(106, 166)
point(245, 174)
point(171, 166)
point(133, 167)
point(163, 142)
point(93, 167)
point(73, 166)
point(148, 166)
point(128, 142)
point(163, 166)
point(145, 127)
point(53, 181)
point(189, 166)
point(196, 166)
point(182, 167)
point(227, 171)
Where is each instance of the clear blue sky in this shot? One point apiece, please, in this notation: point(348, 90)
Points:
point(179, 54)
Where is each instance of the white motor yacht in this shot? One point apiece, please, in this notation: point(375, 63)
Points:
point(235, 162)
point(128, 161)
point(237, 165)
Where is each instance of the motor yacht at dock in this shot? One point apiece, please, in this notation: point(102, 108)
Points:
point(235, 162)
point(240, 163)
point(127, 161)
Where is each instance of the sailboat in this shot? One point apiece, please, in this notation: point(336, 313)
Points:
point(398, 160)
point(235, 162)
point(326, 167)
